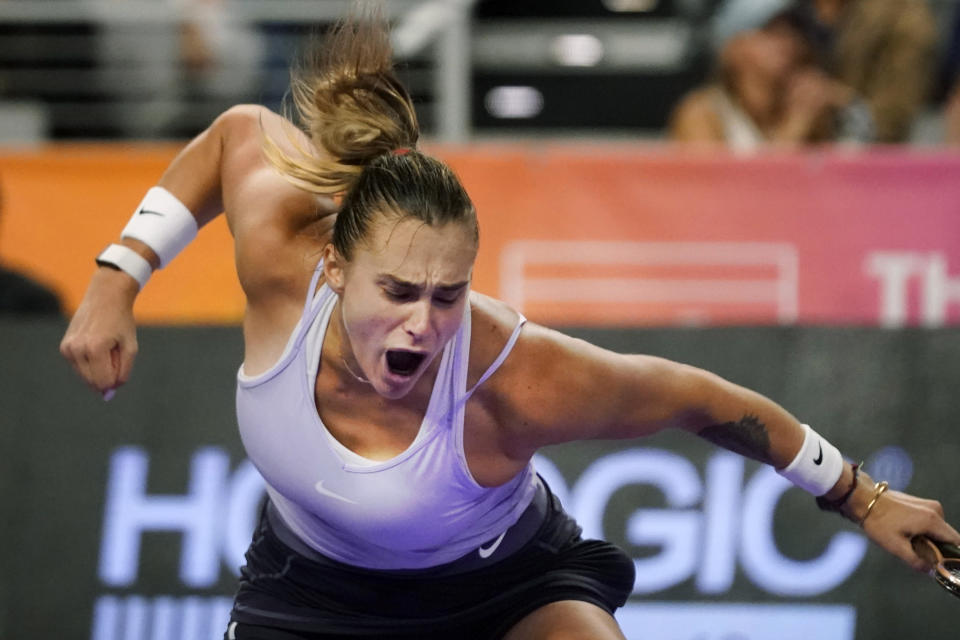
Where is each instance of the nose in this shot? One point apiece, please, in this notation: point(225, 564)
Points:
point(418, 322)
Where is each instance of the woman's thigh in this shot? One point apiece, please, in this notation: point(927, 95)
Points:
point(566, 620)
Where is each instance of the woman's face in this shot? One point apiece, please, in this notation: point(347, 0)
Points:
point(402, 298)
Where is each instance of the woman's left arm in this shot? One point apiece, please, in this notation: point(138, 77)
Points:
point(555, 389)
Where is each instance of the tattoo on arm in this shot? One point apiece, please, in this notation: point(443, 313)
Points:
point(748, 437)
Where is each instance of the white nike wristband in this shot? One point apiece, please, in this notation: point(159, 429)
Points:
point(817, 467)
point(162, 223)
point(127, 260)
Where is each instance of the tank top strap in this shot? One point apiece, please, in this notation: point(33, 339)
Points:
point(312, 292)
point(507, 348)
point(311, 306)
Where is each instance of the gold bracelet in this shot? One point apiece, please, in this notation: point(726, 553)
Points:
point(878, 490)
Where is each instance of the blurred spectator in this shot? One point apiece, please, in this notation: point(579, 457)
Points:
point(885, 51)
point(952, 117)
point(951, 73)
point(20, 295)
point(221, 56)
point(203, 60)
point(767, 90)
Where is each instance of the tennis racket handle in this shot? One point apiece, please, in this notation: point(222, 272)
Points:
point(948, 550)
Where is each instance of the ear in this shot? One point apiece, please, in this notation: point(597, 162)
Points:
point(334, 268)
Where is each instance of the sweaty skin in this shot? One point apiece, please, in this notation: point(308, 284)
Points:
point(403, 290)
point(552, 388)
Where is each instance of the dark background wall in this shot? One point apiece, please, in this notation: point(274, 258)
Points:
point(69, 459)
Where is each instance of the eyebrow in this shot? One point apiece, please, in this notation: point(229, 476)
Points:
point(386, 278)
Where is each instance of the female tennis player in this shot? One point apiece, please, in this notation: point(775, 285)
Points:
point(392, 411)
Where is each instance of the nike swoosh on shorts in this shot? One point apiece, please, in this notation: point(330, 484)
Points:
point(488, 551)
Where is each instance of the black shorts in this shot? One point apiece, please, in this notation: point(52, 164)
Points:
point(285, 595)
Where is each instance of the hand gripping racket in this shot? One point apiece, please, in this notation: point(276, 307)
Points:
point(945, 558)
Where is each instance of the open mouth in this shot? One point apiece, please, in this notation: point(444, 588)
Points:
point(404, 363)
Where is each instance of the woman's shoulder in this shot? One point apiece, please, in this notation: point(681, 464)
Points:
point(245, 124)
point(279, 229)
point(249, 118)
point(492, 322)
point(251, 127)
point(695, 118)
point(256, 193)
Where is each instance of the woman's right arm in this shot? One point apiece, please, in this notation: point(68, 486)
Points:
point(223, 167)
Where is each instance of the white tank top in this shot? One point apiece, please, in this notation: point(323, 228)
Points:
point(740, 132)
point(419, 509)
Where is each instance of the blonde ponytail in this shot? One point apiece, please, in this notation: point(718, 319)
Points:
point(350, 103)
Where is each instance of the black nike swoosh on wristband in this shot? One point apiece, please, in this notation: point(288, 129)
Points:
point(819, 458)
point(149, 212)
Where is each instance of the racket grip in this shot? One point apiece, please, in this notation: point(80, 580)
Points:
point(948, 550)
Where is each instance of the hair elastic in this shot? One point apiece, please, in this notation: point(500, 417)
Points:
point(837, 505)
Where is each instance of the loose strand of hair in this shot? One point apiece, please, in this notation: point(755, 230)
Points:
point(345, 96)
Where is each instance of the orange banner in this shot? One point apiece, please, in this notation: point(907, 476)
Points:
point(62, 205)
point(577, 235)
